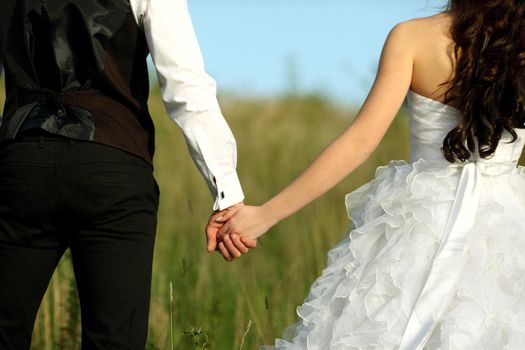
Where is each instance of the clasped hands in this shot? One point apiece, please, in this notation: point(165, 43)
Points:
point(234, 231)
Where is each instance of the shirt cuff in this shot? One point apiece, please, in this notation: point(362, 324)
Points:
point(229, 192)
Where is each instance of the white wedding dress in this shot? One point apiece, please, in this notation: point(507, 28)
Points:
point(436, 255)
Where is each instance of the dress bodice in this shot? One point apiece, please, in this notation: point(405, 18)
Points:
point(431, 121)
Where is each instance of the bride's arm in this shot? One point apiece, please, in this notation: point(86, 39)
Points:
point(349, 150)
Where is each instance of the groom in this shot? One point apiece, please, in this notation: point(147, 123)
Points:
point(77, 128)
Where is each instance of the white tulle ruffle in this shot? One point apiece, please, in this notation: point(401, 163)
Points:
point(374, 276)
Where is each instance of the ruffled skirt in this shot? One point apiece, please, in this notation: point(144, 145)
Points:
point(367, 293)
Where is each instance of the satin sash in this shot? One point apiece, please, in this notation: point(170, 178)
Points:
point(447, 267)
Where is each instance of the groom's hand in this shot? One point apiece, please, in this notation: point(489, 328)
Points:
point(212, 227)
point(232, 246)
point(215, 223)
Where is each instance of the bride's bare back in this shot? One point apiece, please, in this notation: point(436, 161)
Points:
point(433, 55)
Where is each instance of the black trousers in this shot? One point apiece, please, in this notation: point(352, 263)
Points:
point(100, 202)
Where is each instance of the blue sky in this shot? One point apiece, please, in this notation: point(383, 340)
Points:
point(265, 47)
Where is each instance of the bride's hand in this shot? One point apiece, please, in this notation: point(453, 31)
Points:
point(249, 222)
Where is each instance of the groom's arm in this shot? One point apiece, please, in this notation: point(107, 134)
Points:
point(189, 95)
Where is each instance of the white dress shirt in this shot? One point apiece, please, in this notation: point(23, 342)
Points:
point(189, 94)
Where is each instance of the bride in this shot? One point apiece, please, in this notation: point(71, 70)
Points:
point(436, 255)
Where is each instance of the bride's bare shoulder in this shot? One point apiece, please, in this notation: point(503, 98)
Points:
point(437, 19)
point(425, 29)
point(430, 41)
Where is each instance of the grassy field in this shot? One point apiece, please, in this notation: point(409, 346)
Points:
point(217, 305)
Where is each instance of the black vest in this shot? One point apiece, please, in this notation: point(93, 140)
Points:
point(76, 68)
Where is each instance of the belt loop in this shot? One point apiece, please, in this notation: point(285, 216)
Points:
point(41, 141)
point(71, 142)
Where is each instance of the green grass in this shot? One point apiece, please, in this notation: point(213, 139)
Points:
point(216, 304)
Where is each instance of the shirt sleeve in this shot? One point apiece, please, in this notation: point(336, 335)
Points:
point(189, 95)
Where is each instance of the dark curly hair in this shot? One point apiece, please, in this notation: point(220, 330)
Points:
point(489, 80)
